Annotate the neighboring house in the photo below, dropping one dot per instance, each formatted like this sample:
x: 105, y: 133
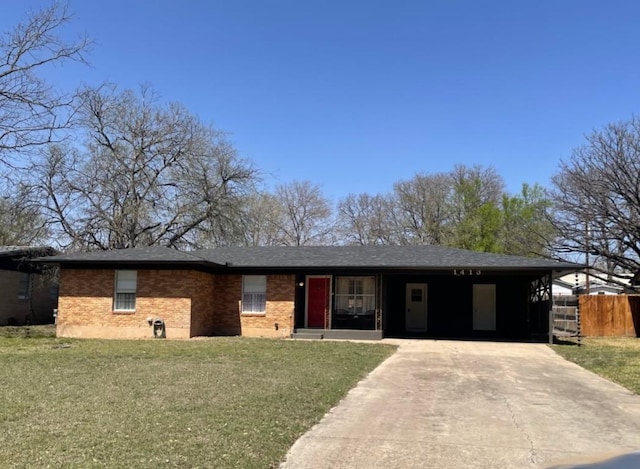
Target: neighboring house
x: 27, y: 295
x: 575, y: 284
x: 599, y: 288
x: 562, y: 287
x: 338, y: 291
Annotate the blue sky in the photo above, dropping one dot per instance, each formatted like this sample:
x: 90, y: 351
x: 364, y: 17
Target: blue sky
x: 356, y: 95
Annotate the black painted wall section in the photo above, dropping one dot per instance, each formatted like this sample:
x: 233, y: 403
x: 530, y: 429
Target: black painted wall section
x: 450, y: 306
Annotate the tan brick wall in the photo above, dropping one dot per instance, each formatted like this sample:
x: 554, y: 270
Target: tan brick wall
x: 226, y: 308
x: 191, y: 303
x: 85, y: 306
x: 279, y: 308
x: 166, y: 294
x: 202, y: 305
x: 37, y: 308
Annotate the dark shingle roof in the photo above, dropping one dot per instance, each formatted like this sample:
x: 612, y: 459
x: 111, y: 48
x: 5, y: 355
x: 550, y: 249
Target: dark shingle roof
x: 11, y: 251
x: 19, y: 258
x: 434, y: 257
x: 144, y: 255
x: 286, y: 257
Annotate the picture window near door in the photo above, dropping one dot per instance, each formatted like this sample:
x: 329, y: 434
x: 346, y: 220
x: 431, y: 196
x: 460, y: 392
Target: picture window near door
x: 254, y: 294
x: 126, y: 287
x: 355, y: 295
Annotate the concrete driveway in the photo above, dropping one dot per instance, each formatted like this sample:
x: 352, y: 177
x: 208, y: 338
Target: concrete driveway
x: 449, y: 404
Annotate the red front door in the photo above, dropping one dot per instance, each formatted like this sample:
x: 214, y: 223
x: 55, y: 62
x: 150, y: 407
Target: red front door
x: 317, y: 301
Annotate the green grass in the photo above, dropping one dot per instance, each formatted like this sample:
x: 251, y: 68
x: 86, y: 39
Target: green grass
x: 221, y: 402
x: 617, y: 359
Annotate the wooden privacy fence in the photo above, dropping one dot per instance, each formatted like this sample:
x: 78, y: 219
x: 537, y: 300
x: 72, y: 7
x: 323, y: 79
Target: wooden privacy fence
x: 610, y: 315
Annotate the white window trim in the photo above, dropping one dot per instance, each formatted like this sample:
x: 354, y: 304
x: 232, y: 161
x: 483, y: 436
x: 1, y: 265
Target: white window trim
x: 242, y: 303
x: 117, y: 289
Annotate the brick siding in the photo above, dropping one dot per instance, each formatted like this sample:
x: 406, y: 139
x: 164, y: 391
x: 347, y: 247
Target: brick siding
x: 202, y: 309
x: 281, y: 293
x: 191, y: 303
x: 85, y: 307
x: 226, y: 308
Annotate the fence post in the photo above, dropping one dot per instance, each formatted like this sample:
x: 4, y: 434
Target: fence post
x: 551, y: 322
x: 551, y: 311
x: 578, y: 327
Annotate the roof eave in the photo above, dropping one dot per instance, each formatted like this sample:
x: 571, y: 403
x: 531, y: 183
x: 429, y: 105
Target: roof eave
x: 403, y: 267
x: 127, y: 262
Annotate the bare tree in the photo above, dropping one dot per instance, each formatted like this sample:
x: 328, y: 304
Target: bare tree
x: 423, y: 208
x: 306, y: 215
x: 365, y: 219
x: 31, y: 112
x: 147, y: 174
x: 21, y: 222
x: 260, y: 218
x: 596, y: 197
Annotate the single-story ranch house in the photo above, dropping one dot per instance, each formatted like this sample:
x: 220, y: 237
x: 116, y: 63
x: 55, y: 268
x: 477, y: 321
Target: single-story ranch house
x: 320, y: 291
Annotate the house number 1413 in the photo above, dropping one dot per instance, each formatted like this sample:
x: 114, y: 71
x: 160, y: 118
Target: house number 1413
x: 467, y: 272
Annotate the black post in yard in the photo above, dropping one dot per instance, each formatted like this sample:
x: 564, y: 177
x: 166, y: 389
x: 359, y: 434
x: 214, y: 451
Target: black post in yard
x: 551, y: 321
x: 578, y: 325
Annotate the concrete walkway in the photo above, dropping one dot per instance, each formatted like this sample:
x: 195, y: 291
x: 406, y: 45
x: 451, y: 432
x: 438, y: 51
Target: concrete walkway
x: 448, y: 404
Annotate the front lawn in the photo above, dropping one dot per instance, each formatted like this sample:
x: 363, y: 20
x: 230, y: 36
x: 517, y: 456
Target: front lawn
x: 220, y: 402
x: 617, y: 359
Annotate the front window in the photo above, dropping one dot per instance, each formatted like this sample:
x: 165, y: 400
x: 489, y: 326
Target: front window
x: 254, y: 294
x: 125, y: 294
x: 355, y: 296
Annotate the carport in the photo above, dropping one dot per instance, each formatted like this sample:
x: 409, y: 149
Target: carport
x: 470, y: 303
x: 423, y: 291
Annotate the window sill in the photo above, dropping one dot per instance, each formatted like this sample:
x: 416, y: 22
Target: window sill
x: 253, y: 314
x: 123, y: 311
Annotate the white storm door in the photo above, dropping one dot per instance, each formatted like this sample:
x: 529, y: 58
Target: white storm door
x: 416, y: 314
x: 484, y: 307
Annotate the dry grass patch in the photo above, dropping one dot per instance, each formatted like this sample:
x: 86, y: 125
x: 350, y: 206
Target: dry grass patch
x: 27, y: 332
x: 617, y: 359
x: 224, y: 402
